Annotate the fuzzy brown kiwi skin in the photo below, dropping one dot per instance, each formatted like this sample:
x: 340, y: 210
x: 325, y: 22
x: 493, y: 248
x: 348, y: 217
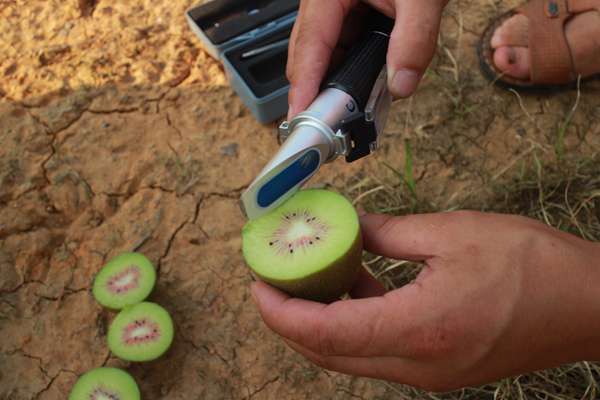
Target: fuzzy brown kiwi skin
x: 328, y: 284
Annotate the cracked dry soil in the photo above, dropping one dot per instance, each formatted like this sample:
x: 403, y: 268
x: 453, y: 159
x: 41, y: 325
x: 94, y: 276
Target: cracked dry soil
x: 119, y: 133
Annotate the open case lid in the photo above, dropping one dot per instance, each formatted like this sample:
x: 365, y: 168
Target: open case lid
x: 224, y: 20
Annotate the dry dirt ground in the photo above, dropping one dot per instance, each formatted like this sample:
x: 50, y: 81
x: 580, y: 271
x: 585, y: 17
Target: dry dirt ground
x: 118, y: 132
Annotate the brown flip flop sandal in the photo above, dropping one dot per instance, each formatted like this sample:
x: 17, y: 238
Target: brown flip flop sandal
x: 552, y: 66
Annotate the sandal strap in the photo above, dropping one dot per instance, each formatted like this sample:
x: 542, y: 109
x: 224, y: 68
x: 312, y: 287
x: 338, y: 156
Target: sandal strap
x: 550, y: 55
x: 581, y: 6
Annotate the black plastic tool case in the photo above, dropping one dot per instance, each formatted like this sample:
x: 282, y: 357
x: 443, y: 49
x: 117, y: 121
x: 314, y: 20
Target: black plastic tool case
x: 231, y: 28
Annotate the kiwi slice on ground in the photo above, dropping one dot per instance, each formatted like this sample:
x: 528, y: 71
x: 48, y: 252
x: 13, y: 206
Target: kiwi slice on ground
x: 125, y: 280
x: 309, y: 247
x: 104, y: 384
x: 141, y: 332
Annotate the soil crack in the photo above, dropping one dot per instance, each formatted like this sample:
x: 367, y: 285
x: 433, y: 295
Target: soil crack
x: 263, y: 387
x: 231, y: 194
x: 52, y: 379
x: 66, y: 293
x: 20, y: 286
x: 116, y: 110
x: 32, y: 357
x: 175, y: 128
x: 208, y: 350
x: 169, y: 244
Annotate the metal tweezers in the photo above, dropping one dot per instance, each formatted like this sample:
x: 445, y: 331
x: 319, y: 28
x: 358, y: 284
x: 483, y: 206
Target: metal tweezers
x: 265, y: 48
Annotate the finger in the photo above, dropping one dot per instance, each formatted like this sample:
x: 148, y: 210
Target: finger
x: 319, y: 27
x: 350, y: 31
x: 412, y: 43
x: 291, y: 48
x: 388, y: 368
x: 414, y: 237
x: 353, y: 26
x: 367, y: 286
x: 425, y: 376
x: 349, y: 327
x: 383, y: 6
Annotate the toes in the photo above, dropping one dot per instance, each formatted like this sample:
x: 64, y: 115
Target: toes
x: 513, y: 32
x: 582, y: 34
x: 513, y: 61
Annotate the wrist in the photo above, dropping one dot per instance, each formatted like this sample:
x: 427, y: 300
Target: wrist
x: 589, y: 300
x: 562, y: 301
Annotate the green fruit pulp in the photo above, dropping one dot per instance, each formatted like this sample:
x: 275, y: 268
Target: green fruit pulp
x: 141, y: 332
x: 102, y: 383
x: 125, y: 280
x: 310, y: 246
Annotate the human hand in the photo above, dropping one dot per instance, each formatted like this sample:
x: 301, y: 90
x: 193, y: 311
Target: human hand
x: 319, y: 29
x: 499, y: 295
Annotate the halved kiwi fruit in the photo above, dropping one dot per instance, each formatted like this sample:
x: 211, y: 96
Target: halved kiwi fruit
x: 125, y: 280
x: 310, y: 246
x: 105, y: 383
x: 141, y: 332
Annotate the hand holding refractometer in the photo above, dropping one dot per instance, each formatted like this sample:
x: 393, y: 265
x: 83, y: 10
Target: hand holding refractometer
x: 345, y: 119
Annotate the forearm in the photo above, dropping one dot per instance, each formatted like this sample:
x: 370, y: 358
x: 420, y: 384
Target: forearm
x: 589, y: 305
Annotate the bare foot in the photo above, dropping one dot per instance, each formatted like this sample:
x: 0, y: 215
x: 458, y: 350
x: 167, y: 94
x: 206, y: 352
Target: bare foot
x: 510, y: 41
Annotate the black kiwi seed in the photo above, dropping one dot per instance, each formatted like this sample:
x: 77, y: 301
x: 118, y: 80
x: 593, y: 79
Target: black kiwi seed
x: 291, y: 250
x: 318, y: 238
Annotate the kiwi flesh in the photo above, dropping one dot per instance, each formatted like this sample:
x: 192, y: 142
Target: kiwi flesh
x: 103, y: 384
x: 141, y: 332
x: 125, y: 280
x: 310, y: 246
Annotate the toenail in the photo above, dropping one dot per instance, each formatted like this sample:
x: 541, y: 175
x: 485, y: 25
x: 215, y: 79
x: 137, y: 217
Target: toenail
x: 512, y: 56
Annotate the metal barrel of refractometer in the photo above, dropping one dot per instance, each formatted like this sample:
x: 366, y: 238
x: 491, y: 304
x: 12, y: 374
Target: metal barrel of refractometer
x: 347, y: 89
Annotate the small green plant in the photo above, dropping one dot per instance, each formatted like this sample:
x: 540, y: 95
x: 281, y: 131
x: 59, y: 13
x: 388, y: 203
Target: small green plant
x: 407, y: 177
x: 559, y: 145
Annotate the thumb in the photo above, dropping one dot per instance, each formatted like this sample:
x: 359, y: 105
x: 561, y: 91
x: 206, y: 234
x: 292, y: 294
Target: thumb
x: 412, y: 43
x: 315, y: 35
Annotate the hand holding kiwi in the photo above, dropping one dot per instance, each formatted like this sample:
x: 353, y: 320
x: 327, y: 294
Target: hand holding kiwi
x: 499, y: 295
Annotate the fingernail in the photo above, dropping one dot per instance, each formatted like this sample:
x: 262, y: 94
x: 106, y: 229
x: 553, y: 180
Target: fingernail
x: 360, y: 211
x: 404, y: 82
x: 512, y: 56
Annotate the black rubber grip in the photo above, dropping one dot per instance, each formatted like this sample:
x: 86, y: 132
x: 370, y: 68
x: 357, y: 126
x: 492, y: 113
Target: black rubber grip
x: 359, y: 70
